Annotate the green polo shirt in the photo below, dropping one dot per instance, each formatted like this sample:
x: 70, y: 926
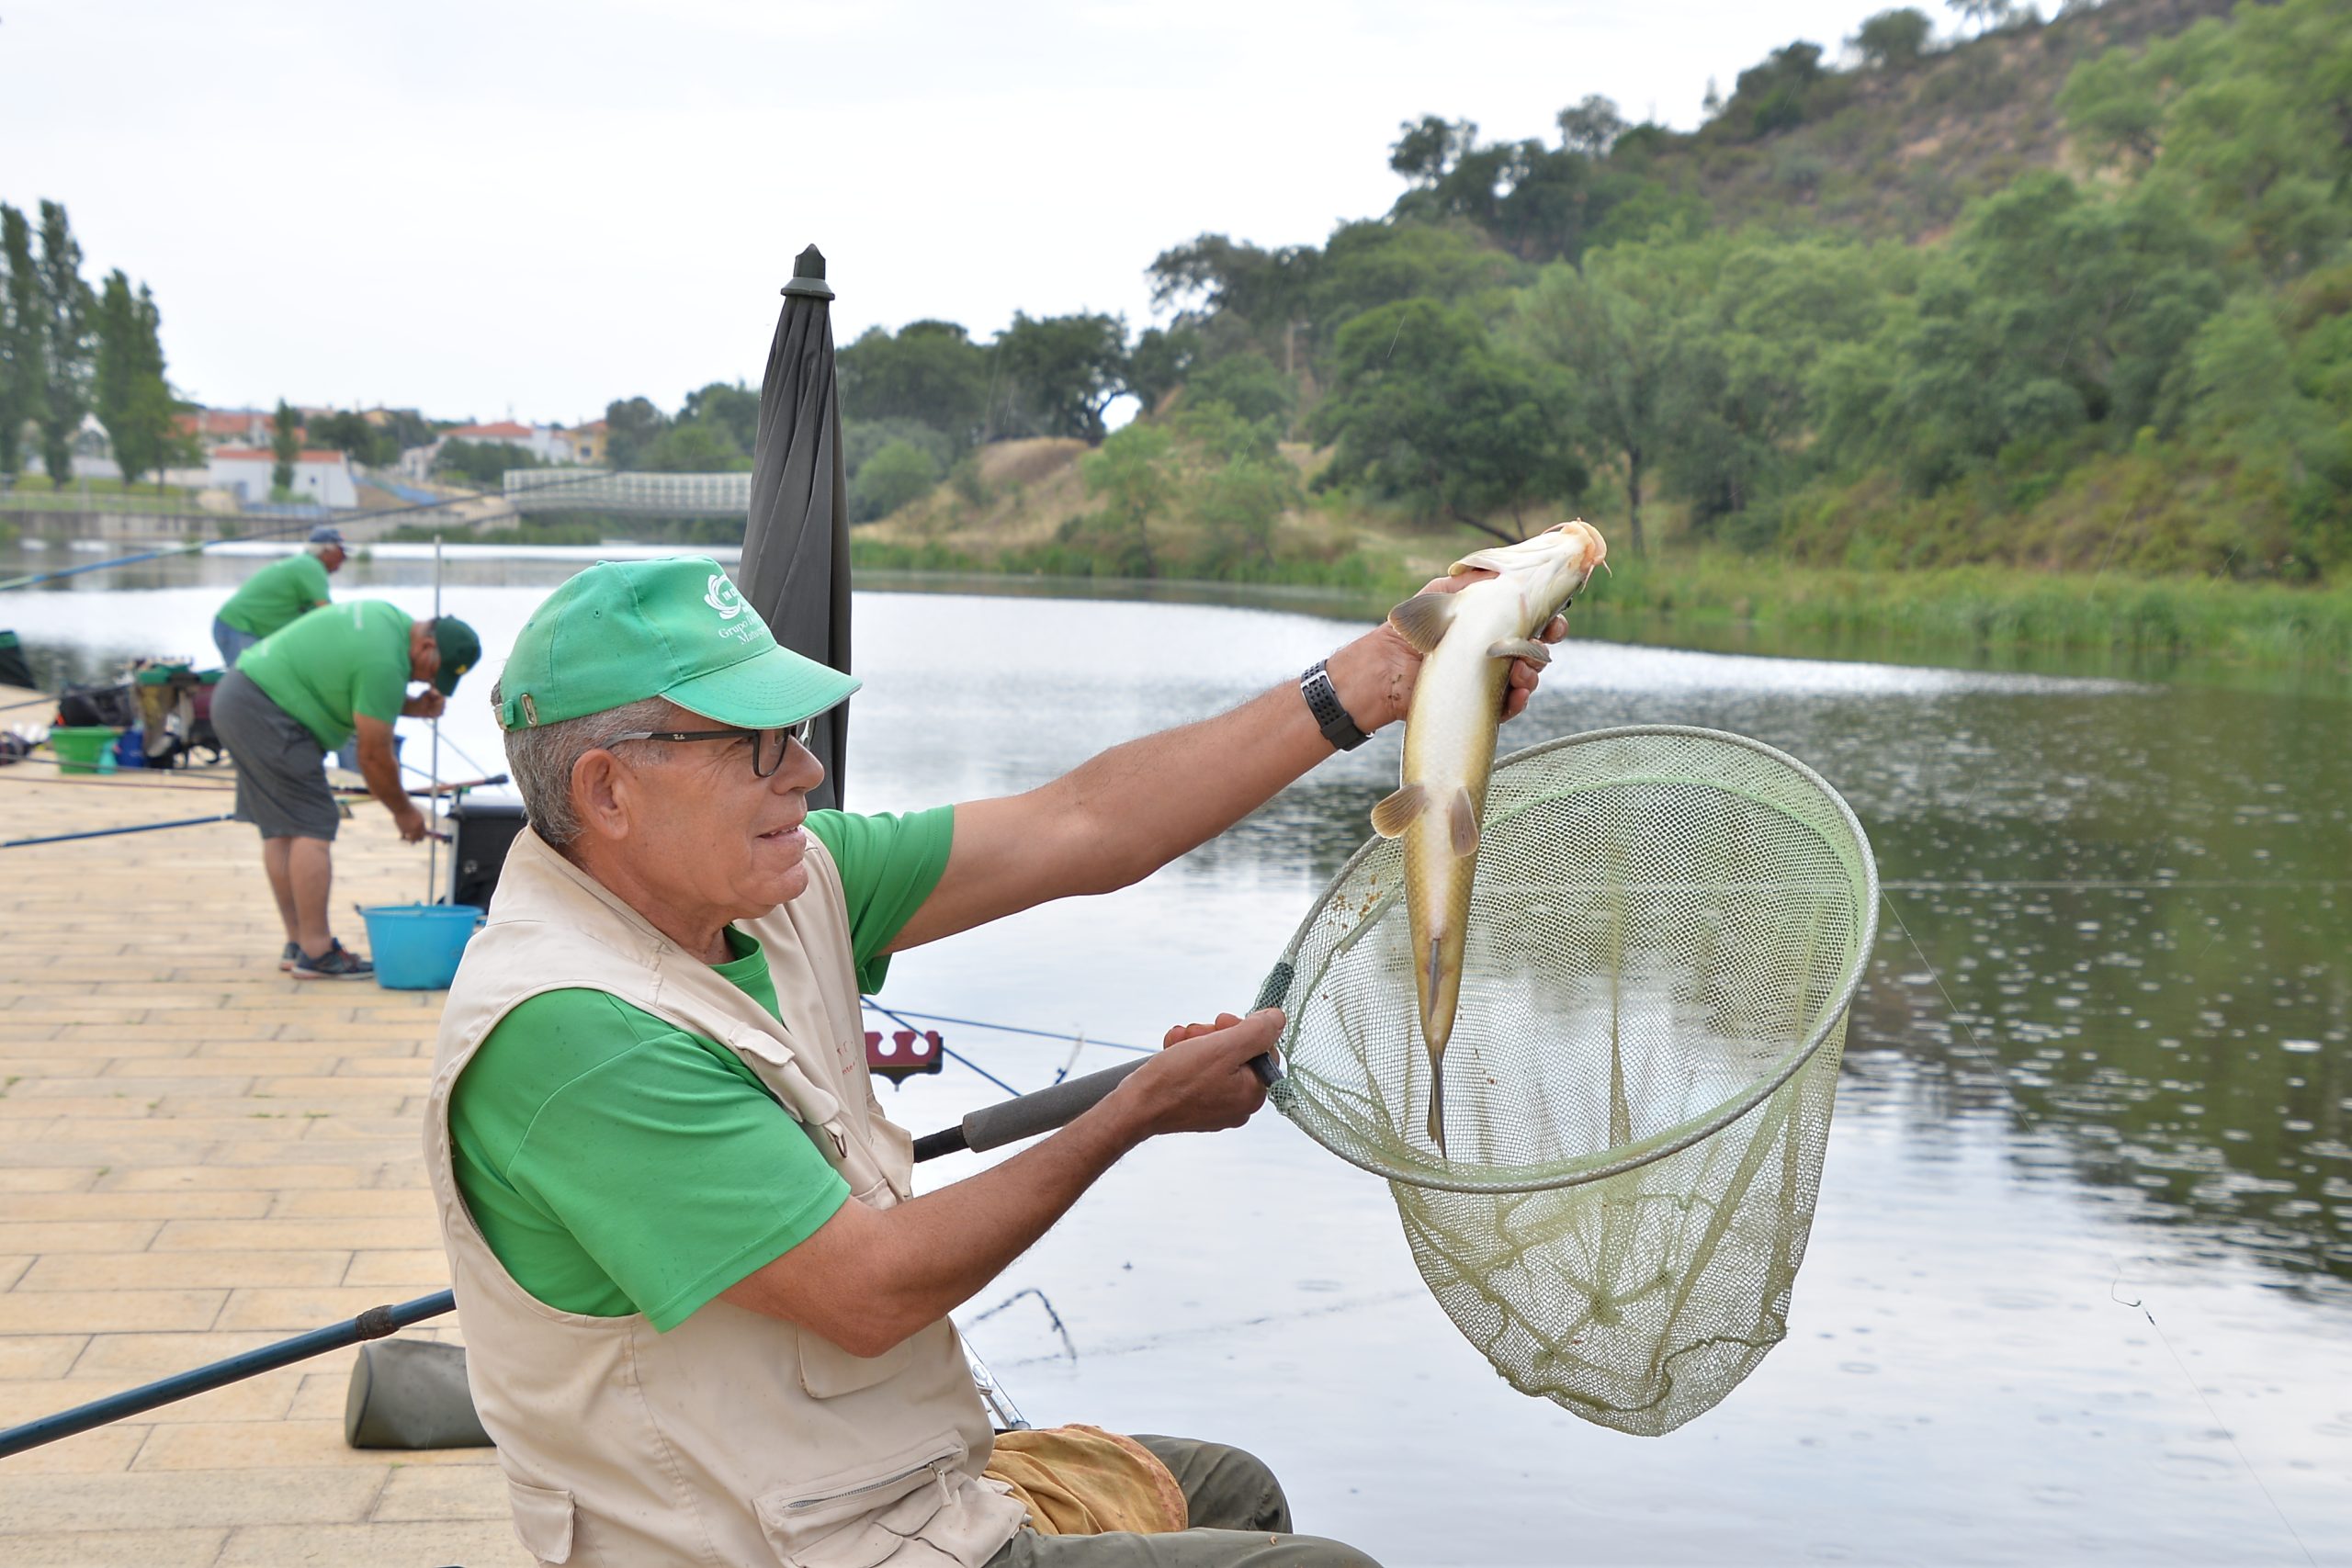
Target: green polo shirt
x: 277, y: 595
x: 618, y: 1164
x: 335, y: 664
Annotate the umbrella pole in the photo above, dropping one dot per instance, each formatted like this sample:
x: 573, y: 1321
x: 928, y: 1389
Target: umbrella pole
x: 433, y: 840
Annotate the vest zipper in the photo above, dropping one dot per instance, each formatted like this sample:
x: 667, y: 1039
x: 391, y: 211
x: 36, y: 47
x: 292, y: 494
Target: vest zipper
x: 933, y: 1464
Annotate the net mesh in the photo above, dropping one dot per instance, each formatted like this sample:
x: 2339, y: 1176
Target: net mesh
x: 1666, y: 930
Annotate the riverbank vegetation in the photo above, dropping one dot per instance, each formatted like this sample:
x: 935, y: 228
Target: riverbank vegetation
x: 2042, y: 336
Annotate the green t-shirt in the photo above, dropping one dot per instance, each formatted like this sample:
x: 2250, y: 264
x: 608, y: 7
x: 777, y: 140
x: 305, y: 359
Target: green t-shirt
x: 335, y: 664
x: 618, y: 1163
x: 279, y: 594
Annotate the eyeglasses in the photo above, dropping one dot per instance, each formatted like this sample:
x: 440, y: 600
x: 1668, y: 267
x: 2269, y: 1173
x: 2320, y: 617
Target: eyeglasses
x: 768, y: 746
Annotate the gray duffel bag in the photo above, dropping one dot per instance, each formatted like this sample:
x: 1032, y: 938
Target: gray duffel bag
x: 411, y: 1394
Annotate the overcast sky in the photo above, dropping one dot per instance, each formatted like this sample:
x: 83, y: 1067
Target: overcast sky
x: 484, y: 207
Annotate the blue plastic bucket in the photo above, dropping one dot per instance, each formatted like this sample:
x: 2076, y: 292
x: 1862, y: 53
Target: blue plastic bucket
x: 416, y: 946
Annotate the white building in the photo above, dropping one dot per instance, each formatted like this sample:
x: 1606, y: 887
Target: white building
x: 325, y: 477
x: 548, y: 443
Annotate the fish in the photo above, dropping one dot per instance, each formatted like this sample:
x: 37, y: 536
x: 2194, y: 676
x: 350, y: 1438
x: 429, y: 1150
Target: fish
x: 1467, y: 639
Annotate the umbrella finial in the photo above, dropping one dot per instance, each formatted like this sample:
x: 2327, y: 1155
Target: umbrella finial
x: 809, y: 274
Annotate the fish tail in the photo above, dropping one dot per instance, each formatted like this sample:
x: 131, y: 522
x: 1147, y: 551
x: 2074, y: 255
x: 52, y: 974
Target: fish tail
x: 1437, y: 1102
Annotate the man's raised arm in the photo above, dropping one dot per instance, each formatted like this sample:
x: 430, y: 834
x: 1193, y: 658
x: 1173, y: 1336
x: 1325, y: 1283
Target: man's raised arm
x: 1121, y: 816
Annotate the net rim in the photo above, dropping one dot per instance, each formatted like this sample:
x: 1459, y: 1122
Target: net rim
x: 1673, y: 1140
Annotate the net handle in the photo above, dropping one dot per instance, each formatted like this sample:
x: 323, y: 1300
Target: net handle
x: 993, y: 1126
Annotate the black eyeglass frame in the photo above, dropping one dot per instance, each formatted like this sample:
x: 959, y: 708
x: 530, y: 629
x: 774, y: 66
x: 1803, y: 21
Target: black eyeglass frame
x: 758, y: 737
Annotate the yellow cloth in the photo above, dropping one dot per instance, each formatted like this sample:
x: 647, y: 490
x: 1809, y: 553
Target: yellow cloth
x: 1085, y: 1481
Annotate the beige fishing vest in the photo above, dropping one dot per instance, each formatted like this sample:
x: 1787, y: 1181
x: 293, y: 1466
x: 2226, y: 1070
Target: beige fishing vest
x: 733, y: 1438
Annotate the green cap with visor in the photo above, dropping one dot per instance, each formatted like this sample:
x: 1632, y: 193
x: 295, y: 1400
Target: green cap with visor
x: 623, y: 631
x: 460, y: 651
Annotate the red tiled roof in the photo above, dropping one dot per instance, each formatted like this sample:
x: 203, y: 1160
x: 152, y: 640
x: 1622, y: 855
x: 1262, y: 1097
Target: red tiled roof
x: 504, y: 431
x: 262, y: 455
x: 221, y: 422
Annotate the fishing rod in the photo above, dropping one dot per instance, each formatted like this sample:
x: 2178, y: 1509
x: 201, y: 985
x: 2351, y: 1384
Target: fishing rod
x: 304, y: 524
x: 984, y: 1129
x: 111, y: 832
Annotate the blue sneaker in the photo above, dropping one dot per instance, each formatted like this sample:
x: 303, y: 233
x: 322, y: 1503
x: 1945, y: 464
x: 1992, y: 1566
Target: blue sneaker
x: 337, y: 963
x: 291, y: 956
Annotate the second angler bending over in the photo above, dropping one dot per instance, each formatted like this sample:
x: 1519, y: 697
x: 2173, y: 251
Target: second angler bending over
x: 707, y: 1314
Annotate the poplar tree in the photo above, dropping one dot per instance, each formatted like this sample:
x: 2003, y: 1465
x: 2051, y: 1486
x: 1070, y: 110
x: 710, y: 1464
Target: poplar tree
x: 134, y: 401
x: 285, y: 444
x: 23, y: 388
x: 63, y: 311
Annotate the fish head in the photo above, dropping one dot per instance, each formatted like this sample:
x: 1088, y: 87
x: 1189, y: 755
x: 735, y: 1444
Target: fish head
x: 1549, y: 568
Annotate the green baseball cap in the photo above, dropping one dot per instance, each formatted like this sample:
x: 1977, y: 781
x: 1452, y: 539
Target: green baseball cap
x: 676, y: 627
x: 460, y: 651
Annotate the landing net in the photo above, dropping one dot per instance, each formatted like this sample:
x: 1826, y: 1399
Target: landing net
x: 1666, y: 929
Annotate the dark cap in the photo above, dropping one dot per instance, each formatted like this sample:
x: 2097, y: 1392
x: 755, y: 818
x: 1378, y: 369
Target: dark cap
x: 460, y: 651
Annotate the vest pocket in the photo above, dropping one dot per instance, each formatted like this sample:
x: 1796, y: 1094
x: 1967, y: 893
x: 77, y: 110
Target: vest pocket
x: 855, y: 1519
x: 543, y: 1517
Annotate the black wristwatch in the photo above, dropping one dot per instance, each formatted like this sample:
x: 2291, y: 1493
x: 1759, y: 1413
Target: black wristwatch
x: 1323, y: 702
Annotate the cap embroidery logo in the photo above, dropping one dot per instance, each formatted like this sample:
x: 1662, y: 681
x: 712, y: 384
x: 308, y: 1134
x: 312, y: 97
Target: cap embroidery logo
x: 723, y: 597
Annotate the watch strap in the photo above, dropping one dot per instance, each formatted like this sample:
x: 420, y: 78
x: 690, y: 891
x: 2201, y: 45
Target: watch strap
x: 1330, y: 717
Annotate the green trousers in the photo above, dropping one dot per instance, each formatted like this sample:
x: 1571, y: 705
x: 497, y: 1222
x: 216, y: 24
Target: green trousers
x: 1240, y: 1519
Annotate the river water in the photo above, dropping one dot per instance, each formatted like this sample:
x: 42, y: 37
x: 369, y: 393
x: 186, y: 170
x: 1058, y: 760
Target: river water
x: 2080, y: 1286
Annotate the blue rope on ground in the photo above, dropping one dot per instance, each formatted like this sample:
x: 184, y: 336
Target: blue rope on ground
x: 111, y: 832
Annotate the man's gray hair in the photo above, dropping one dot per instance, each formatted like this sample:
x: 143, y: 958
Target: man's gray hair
x: 542, y: 757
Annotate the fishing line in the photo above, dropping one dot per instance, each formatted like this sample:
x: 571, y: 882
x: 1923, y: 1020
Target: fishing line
x: 944, y: 1051
x: 2020, y: 1109
x: 1051, y: 1315
x: 1016, y: 1029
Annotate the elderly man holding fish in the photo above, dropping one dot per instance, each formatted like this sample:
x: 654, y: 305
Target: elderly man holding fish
x: 706, y: 1311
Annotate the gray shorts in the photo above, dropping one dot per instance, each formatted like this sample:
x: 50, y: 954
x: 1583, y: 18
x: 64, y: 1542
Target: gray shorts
x: 281, y: 770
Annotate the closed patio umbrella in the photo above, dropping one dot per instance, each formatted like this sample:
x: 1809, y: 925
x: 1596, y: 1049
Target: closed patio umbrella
x: 796, y: 539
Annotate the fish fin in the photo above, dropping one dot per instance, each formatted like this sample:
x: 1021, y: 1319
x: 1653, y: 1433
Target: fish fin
x: 1394, y: 815
x: 1496, y: 558
x: 1462, y: 823
x: 1527, y: 647
x: 1422, y: 620
x: 1437, y: 1104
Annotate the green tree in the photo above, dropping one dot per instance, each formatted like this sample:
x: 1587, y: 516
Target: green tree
x: 698, y: 446
x: 734, y: 409
x: 1427, y: 410
x: 896, y: 476
x: 1160, y: 363
x: 1132, y: 479
x: 861, y: 438
x: 484, y: 464
x: 631, y: 425
x: 1893, y: 40
x: 285, y: 446
x: 1249, y: 384
x: 1615, y: 343
x: 24, y: 386
x: 1987, y: 13
x: 64, y: 307
x: 134, y: 401
x: 931, y: 371
x: 1062, y: 372
x: 348, y: 431
x: 1591, y: 126
x: 1366, y: 265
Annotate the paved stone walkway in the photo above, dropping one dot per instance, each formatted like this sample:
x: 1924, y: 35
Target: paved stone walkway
x: 198, y: 1155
